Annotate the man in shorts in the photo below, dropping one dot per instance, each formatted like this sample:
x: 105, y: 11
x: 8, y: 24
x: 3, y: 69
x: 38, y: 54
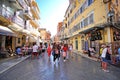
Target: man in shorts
x: 35, y: 50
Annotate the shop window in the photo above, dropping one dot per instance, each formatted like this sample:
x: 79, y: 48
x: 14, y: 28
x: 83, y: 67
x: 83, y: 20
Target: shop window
x: 18, y: 40
x: 76, y: 43
x: 96, y: 36
x: 116, y: 36
x: 8, y: 41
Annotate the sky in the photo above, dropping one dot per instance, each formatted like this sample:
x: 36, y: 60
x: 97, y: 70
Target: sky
x: 52, y: 12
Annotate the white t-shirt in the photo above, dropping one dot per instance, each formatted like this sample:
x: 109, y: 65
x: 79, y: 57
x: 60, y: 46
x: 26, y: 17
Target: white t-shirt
x: 104, y: 52
x: 70, y: 48
x: 35, y: 48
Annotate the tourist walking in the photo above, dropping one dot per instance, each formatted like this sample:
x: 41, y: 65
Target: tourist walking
x: 59, y: 51
x: 19, y: 51
x: 35, y: 50
x: 65, y: 52
x: 71, y: 50
x: 105, y: 56
x: 54, y: 52
x: 49, y: 50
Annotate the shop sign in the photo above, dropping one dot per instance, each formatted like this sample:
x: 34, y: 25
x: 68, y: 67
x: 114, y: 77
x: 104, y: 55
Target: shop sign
x: 116, y: 36
x: 96, y: 36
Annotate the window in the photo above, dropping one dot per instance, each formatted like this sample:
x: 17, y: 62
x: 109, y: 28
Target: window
x: 66, y: 25
x: 85, y: 21
x: 90, y: 2
x: 81, y: 24
x: 68, y: 15
x: 18, y: 40
x: 81, y: 10
x: 91, y: 19
x: 75, y: 15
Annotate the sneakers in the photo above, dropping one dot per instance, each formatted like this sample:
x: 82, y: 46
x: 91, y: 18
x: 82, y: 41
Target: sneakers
x: 64, y: 60
x: 105, y: 70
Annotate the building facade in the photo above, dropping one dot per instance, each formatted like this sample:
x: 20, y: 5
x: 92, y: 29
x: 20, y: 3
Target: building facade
x: 59, y: 29
x: 89, y: 23
x: 19, y: 23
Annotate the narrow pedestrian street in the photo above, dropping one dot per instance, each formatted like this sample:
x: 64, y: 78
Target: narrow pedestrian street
x: 76, y: 68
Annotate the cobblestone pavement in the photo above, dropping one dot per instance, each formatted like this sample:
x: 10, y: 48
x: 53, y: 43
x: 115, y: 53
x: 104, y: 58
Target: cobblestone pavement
x: 76, y: 68
x: 8, y: 63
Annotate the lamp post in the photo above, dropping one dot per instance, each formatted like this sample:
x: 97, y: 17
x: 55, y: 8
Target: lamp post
x: 110, y: 15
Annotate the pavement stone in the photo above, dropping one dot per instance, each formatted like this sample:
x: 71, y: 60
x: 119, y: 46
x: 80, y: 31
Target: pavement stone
x: 86, y: 56
x: 94, y: 58
x: 9, y: 63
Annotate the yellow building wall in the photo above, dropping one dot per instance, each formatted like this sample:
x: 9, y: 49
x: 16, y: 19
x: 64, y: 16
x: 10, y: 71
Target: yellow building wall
x: 100, y: 15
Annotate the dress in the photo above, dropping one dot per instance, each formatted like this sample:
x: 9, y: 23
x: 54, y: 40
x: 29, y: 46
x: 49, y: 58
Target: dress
x: 49, y: 51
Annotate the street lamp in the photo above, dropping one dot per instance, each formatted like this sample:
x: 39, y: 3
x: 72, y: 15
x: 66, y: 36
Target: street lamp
x: 110, y: 15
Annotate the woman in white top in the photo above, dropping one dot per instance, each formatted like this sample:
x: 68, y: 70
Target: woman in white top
x: 35, y: 50
x: 71, y: 50
x: 103, y: 57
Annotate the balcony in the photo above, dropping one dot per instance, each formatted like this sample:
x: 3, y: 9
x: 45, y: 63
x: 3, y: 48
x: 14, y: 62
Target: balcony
x: 34, y: 23
x: 27, y: 14
x: 34, y: 9
x: 23, y: 3
x: 19, y: 21
x: 15, y: 4
x: 35, y: 12
x: 5, y: 16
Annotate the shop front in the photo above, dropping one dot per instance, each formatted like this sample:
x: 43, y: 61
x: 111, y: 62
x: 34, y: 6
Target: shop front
x: 95, y: 40
x: 92, y: 38
x: 6, y: 40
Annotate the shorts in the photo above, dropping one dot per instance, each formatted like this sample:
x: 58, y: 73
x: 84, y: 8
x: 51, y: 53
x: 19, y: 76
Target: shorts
x: 104, y: 60
x: 35, y: 53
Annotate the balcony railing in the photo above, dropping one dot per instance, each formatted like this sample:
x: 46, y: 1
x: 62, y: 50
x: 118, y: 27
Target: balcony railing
x: 23, y: 3
x: 18, y: 20
x: 6, y: 13
x: 35, y: 12
x: 28, y: 12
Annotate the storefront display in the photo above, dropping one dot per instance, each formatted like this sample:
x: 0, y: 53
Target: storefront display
x: 116, y: 36
x: 96, y: 36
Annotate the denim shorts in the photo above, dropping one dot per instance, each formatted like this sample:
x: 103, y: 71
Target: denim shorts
x: 104, y: 60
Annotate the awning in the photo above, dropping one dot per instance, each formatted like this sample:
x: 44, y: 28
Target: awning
x: 6, y: 31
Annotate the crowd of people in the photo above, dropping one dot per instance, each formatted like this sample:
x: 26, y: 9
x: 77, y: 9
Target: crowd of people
x: 55, y: 49
x: 58, y: 50
x: 105, y: 55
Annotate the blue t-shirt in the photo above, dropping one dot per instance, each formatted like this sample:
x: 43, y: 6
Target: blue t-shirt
x: 118, y: 50
x: 18, y: 50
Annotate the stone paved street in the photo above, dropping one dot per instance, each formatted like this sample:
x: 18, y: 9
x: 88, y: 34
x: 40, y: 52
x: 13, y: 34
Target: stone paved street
x: 76, y: 68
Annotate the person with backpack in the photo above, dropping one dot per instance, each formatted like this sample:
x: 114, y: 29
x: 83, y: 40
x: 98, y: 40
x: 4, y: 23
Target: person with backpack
x: 105, y: 56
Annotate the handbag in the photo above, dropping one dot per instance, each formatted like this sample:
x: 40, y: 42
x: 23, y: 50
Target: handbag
x: 108, y: 56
